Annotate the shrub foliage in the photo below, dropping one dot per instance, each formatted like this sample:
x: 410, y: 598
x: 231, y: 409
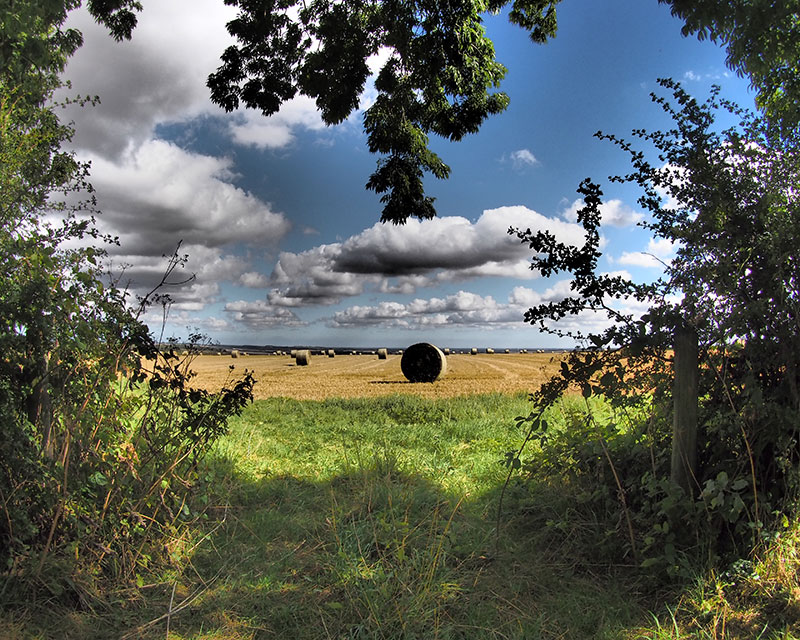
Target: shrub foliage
x: 727, y: 200
x: 101, y: 433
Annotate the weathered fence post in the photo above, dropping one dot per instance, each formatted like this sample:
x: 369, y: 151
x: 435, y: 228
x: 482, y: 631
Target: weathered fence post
x: 684, y: 419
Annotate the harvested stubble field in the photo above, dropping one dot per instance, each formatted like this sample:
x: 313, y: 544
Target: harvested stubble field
x: 359, y: 376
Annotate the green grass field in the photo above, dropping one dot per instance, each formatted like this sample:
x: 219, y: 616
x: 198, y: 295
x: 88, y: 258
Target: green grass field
x: 373, y: 519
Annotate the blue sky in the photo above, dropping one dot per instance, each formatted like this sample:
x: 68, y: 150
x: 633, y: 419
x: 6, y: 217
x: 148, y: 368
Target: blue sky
x: 284, y: 241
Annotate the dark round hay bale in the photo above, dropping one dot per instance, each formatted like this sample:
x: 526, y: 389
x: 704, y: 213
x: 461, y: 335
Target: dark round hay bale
x: 302, y: 357
x: 331, y: 353
x: 473, y: 351
x: 423, y: 362
x: 382, y: 353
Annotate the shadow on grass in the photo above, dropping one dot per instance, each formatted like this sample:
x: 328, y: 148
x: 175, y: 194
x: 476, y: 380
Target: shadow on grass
x: 380, y: 524
x: 377, y: 552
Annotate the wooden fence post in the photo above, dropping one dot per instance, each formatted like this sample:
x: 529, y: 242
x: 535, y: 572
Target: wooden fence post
x: 684, y: 418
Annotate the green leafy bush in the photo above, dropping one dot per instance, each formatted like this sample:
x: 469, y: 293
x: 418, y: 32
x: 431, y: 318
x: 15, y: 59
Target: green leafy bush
x: 727, y: 200
x: 101, y: 433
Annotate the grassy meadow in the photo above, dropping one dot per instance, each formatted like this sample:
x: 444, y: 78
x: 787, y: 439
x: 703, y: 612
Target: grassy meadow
x: 378, y: 519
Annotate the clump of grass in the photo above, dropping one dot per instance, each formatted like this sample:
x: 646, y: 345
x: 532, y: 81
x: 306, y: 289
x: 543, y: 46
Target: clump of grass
x: 393, y: 550
x: 756, y: 597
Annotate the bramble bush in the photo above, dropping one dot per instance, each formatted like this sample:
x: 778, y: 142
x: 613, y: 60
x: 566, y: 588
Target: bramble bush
x: 101, y: 434
x: 728, y: 201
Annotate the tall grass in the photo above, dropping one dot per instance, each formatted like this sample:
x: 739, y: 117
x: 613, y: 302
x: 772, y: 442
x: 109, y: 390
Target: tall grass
x: 375, y: 519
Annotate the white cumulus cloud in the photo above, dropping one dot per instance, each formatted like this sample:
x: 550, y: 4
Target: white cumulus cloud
x: 612, y: 212
x: 252, y: 129
x: 260, y: 314
x: 656, y: 256
x: 159, y: 194
x: 522, y: 158
x: 401, y: 259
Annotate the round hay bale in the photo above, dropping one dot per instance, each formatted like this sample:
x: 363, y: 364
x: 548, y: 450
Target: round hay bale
x: 446, y: 351
x: 331, y: 353
x: 489, y: 350
x: 423, y: 362
x: 293, y: 353
x: 507, y: 351
x: 473, y: 351
x: 382, y: 353
x: 234, y: 354
x: 302, y: 357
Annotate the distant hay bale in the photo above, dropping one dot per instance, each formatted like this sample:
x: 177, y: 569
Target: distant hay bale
x: 382, y: 353
x: 473, y: 351
x: 293, y: 353
x: 507, y: 351
x: 423, y: 362
x: 302, y: 357
x: 446, y: 351
x: 489, y: 350
x: 234, y: 354
x: 331, y: 353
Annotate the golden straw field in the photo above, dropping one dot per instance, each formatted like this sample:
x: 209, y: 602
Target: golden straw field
x: 358, y: 376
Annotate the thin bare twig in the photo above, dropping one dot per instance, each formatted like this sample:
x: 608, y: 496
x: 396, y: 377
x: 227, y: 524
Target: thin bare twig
x: 187, y: 602
x: 169, y: 609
